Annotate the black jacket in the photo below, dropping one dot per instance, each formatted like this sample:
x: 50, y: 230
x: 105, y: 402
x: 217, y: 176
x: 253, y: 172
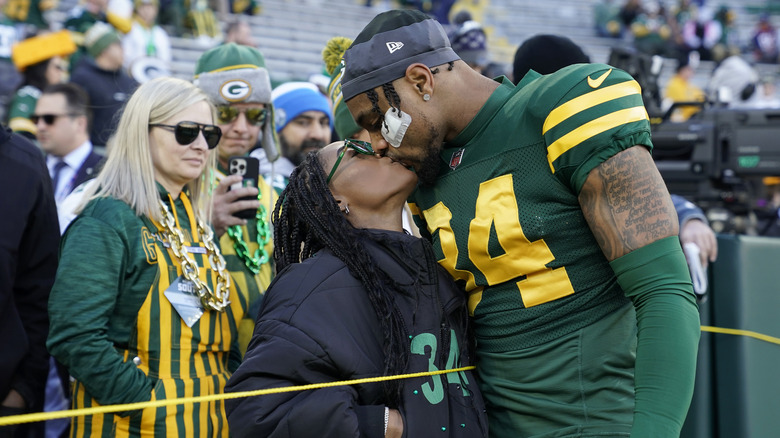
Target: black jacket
x: 108, y: 91
x: 317, y: 325
x: 29, y: 240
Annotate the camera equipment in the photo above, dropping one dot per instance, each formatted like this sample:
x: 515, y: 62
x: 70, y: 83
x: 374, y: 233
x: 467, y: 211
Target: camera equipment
x: 717, y: 158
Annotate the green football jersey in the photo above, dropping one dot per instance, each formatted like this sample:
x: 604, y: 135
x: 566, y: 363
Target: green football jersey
x: 504, y: 216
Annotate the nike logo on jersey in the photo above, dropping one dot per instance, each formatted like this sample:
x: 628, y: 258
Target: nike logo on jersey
x: 595, y: 83
x: 393, y: 46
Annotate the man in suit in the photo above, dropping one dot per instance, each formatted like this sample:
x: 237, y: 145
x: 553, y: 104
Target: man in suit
x: 62, y: 119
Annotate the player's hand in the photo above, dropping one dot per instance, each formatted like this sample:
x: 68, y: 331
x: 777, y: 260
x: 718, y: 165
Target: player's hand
x: 226, y: 203
x: 696, y: 231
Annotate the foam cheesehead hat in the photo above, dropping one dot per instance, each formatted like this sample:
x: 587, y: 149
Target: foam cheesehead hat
x: 99, y: 37
x: 292, y: 99
x: 233, y: 73
x: 333, y: 55
x: 40, y: 48
x: 391, y: 42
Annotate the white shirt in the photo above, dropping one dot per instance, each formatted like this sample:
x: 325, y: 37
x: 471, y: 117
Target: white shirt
x: 73, y: 162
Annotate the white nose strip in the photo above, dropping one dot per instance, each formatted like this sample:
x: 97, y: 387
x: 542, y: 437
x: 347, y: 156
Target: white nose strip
x: 395, y: 126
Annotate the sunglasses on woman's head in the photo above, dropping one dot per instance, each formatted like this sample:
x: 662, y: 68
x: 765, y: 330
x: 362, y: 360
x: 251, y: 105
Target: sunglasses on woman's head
x: 186, y: 132
x: 228, y: 114
x: 361, y: 147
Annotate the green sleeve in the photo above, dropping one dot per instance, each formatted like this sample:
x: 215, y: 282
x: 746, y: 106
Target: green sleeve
x: 93, y: 257
x: 656, y: 278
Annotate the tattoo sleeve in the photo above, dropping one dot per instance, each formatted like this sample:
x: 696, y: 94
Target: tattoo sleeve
x: 626, y: 203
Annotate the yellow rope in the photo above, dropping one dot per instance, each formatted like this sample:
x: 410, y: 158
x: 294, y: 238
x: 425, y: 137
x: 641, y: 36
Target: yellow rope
x: 44, y: 416
x: 748, y: 333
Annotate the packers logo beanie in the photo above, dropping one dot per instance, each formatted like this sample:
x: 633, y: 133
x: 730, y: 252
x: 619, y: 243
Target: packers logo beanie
x: 233, y: 73
x: 391, y: 42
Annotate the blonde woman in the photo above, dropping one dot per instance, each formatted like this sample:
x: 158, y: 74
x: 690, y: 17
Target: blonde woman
x: 142, y: 308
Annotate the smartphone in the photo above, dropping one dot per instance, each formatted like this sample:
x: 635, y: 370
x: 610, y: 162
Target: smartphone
x: 249, y: 169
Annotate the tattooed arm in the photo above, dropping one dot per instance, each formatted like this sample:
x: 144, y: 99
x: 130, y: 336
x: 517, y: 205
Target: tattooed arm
x: 632, y: 216
x: 626, y: 203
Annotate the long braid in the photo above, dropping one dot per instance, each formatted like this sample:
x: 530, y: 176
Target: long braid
x: 392, y: 96
x: 307, y: 219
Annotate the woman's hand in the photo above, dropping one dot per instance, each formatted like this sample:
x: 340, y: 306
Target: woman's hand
x: 395, y: 425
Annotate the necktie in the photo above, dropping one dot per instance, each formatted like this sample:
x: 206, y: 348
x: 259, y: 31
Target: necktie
x: 55, y: 178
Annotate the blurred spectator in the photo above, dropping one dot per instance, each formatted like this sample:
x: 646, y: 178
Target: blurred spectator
x: 770, y: 225
x: 30, y: 14
x: 683, y: 12
x: 701, y: 33
x: 546, y: 54
x: 736, y: 84
x: 9, y: 75
x: 171, y: 17
x: 28, y: 261
x: 629, y: 12
x: 104, y: 79
x: 652, y: 32
x: 768, y: 97
x: 248, y: 7
x: 303, y: 123
x: 469, y: 41
x: 764, y: 43
x: 62, y: 118
x: 681, y: 89
x: 606, y: 16
x: 147, y: 45
x: 83, y: 16
x: 240, y: 32
x: 42, y: 61
x: 728, y: 44
x: 202, y: 22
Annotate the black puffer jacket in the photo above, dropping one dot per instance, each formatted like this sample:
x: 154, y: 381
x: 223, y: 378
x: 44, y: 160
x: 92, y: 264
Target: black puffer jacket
x: 317, y: 325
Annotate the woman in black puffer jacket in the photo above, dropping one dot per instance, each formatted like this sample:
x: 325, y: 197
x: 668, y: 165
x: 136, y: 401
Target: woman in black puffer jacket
x: 355, y: 297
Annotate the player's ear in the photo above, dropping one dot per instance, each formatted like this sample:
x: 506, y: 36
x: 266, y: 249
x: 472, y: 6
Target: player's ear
x: 421, y: 78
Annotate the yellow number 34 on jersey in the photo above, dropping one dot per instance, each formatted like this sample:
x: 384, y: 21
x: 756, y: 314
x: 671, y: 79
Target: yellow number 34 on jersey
x: 523, y: 261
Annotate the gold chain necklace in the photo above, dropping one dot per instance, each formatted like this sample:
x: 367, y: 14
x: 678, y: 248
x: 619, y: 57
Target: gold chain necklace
x: 172, y: 235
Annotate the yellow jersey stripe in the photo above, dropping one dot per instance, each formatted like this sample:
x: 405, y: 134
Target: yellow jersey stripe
x: 589, y: 100
x: 592, y: 128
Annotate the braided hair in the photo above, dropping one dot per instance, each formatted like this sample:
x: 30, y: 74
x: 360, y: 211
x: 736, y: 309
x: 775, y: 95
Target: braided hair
x: 307, y: 219
x: 391, y: 95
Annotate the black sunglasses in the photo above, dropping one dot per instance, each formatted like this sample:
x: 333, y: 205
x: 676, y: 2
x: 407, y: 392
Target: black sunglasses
x: 227, y: 114
x: 187, y: 132
x: 49, y: 119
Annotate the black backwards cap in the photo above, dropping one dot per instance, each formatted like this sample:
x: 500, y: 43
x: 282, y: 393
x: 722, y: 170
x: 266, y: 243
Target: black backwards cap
x: 390, y: 43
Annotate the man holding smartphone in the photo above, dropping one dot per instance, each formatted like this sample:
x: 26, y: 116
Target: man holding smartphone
x: 237, y: 80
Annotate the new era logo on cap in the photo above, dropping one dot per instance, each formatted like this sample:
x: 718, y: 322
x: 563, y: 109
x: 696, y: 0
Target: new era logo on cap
x: 393, y: 46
